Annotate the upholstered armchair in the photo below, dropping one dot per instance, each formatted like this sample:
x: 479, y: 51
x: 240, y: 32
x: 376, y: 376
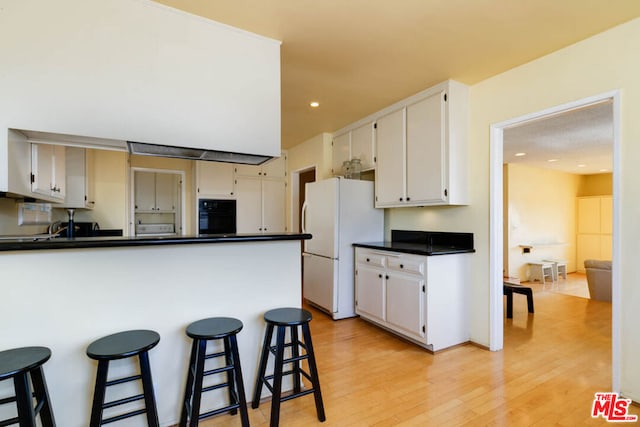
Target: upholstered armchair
x: 598, y: 279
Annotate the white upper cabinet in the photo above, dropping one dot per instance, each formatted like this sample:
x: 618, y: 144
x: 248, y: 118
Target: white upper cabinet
x: 215, y: 179
x: 422, y: 149
x: 274, y: 168
x: 390, y: 176
x: 156, y: 192
x: 79, y: 178
x: 354, y: 142
x: 48, y: 179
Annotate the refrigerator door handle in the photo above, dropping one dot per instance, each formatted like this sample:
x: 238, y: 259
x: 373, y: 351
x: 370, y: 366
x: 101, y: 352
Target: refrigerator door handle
x: 303, y: 216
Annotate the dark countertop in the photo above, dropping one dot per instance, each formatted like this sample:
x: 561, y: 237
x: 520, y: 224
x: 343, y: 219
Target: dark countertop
x: 414, y: 248
x: 425, y: 242
x: 28, y: 243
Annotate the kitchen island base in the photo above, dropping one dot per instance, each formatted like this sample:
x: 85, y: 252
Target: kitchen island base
x: 65, y: 299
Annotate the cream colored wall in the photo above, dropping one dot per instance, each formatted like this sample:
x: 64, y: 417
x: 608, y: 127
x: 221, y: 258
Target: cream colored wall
x: 188, y: 167
x: 603, y: 63
x: 541, y: 207
x: 596, y: 185
x: 111, y: 191
x: 315, y: 152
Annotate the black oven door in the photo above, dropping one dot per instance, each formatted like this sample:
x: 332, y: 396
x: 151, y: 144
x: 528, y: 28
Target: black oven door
x: 216, y: 216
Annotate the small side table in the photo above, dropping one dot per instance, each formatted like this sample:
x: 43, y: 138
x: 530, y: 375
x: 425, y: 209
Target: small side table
x: 509, y: 289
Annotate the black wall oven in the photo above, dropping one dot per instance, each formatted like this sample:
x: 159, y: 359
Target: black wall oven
x: 216, y: 216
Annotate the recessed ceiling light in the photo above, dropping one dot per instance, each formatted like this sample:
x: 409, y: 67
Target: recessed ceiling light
x: 582, y: 166
x: 552, y: 160
x: 314, y: 104
x: 604, y: 170
x: 520, y: 154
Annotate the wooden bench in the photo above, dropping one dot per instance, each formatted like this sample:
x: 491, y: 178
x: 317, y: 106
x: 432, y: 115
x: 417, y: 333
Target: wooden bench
x: 509, y: 289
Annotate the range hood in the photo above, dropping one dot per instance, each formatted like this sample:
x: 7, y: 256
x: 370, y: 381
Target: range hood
x: 145, y: 149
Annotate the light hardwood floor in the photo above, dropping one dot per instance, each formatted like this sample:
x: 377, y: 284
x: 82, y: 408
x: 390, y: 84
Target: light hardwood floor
x: 552, y: 364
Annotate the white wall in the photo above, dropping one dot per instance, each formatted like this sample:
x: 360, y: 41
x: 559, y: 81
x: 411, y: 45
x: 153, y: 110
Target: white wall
x: 137, y: 70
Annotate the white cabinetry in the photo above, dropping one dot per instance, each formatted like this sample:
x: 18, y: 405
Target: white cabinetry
x: 155, y: 192
x: 79, y: 178
x: 422, y: 145
x: 48, y: 171
x: 595, y: 227
x: 215, y: 179
x: 260, y: 205
x: 274, y: 168
x: 418, y: 297
x: 354, y: 142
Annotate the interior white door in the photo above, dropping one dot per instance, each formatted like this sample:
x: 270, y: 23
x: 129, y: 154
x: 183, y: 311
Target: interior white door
x: 321, y: 217
x: 320, y: 281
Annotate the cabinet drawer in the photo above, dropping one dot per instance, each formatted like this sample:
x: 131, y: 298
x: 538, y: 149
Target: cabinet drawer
x: 414, y: 266
x: 373, y: 259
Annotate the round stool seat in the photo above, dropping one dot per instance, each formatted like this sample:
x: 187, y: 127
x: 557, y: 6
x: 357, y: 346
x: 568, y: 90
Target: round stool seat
x: 123, y: 344
x: 20, y: 360
x: 214, y: 328
x: 287, y: 316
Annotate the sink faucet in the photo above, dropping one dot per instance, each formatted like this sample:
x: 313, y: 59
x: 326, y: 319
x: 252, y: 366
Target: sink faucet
x: 54, y: 227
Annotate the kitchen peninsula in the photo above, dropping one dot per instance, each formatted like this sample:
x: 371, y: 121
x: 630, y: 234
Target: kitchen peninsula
x: 65, y: 293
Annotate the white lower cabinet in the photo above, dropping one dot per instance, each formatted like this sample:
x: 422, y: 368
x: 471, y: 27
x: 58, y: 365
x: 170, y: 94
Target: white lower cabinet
x: 421, y: 298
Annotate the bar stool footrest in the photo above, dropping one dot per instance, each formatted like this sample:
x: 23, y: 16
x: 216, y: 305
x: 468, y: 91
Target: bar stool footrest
x: 123, y: 416
x: 219, y: 411
x: 122, y: 401
x: 10, y: 422
x: 123, y: 380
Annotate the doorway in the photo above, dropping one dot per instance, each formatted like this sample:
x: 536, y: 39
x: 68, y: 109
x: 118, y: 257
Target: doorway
x: 299, y: 179
x: 496, y: 221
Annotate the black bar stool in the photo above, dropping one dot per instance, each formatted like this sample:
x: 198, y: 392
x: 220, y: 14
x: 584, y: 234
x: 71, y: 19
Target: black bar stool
x: 20, y: 364
x: 287, y: 318
x: 216, y: 328
x: 119, y: 346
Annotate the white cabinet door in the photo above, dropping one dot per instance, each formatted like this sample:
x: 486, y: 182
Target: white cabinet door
x: 362, y: 145
x: 166, y: 192
x: 215, y: 179
x: 42, y: 169
x: 145, y: 191
x: 405, y: 303
x: 589, y: 215
x: 48, y: 170
x: 273, y: 204
x: 370, y: 292
x: 426, y: 161
x: 606, y: 215
x: 249, y: 205
x: 59, y: 174
x: 275, y: 168
x: 248, y: 170
x: 390, y: 168
x: 341, y: 152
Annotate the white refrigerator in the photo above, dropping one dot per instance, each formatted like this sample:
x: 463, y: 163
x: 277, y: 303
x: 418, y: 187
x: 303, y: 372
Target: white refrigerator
x: 337, y: 212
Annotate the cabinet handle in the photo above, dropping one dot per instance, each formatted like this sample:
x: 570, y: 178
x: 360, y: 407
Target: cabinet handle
x: 386, y: 277
x: 401, y: 265
x: 408, y: 198
x: 367, y: 259
x: 400, y: 199
x: 380, y: 276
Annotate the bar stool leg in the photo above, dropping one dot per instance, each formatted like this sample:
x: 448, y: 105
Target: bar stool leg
x: 228, y: 359
x: 313, y: 371
x: 268, y: 334
x: 98, y: 393
x: 199, y: 378
x: 244, y: 415
x: 295, y: 352
x: 277, y: 377
x: 42, y: 395
x: 188, y: 389
x: 23, y: 400
x: 147, y: 387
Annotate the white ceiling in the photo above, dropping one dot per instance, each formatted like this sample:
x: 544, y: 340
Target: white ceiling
x: 358, y: 56
x: 579, y: 141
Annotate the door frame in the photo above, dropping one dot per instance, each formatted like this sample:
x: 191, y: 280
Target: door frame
x: 496, y: 330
